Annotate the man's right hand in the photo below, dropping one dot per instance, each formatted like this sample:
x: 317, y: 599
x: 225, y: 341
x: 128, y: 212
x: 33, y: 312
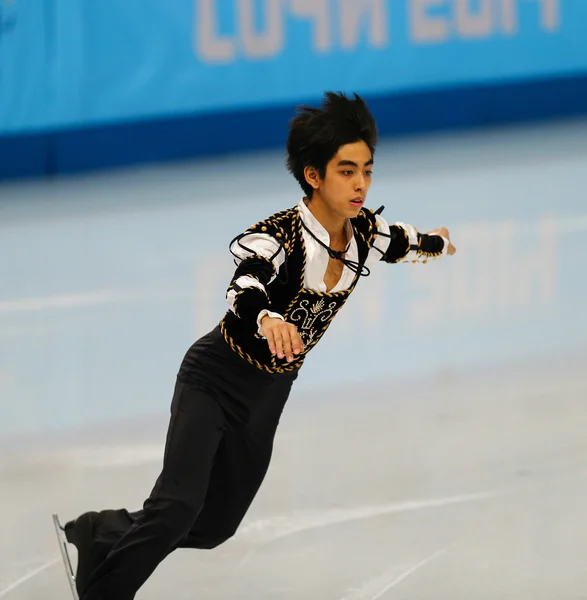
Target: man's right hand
x: 283, y: 338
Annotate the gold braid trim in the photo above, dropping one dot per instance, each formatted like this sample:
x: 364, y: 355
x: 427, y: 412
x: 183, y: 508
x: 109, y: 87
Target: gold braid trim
x: 368, y: 216
x: 276, y: 226
x: 407, y: 237
x: 297, y: 230
x: 329, y: 294
x: 236, y: 348
x: 372, y: 229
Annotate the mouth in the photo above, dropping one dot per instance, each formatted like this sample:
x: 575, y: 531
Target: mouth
x: 357, y: 202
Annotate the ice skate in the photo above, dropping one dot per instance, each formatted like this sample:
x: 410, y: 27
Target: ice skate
x: 61, y: 538
x: 80, y: 533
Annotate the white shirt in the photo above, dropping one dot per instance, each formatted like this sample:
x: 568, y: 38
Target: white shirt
x: 317, y: 257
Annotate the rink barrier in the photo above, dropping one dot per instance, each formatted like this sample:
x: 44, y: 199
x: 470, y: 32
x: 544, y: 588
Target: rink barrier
x: 87, y: 86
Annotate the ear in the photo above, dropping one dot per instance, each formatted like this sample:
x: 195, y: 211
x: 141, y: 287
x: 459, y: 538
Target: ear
x: 312, y: 177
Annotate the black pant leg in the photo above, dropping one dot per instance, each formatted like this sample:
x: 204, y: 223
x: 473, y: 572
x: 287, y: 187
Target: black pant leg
x: 196, y: 429
x: 236, y: 478
x: 240, y: 468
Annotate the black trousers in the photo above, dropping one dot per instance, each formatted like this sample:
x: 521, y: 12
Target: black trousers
x: 224, y: 415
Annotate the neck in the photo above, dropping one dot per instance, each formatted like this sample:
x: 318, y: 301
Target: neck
x: 334, y: 224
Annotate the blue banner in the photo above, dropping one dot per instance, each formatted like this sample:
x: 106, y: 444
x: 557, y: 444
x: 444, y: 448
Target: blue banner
x: 71, y: 63
x: 25, y: 83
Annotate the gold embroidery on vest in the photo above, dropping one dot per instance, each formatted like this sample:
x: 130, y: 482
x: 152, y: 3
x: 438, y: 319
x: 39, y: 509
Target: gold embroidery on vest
x: 309, y: 315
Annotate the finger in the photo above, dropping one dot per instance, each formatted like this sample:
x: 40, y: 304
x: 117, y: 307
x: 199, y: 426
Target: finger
x: 287, y: 345
x: 270, y: 341
x: 278, y: 342
x: 296, y: 341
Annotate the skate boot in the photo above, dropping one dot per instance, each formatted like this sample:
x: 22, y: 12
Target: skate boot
x: 81, y: 533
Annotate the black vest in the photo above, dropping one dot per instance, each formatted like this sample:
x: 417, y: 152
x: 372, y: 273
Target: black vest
x: 311, y: 312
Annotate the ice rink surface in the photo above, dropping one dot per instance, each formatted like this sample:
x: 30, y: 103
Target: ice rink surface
x: 434, y: 446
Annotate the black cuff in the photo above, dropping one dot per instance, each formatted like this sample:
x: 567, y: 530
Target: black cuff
x: 430, y: 245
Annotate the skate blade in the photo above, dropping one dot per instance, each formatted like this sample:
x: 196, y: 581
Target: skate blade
x: 60, y: 532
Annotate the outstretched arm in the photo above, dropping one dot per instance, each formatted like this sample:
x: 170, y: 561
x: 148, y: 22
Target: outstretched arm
x: 401, y: 242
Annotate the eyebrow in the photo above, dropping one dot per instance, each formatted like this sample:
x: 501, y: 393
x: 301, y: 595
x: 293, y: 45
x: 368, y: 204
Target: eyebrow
x: 351, y: 163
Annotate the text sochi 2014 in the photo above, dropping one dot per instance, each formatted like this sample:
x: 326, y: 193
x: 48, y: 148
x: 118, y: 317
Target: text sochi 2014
x: 259, y: 27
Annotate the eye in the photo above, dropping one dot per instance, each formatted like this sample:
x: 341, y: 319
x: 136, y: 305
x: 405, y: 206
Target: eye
x: 348, y: 173
x: 368, y: 173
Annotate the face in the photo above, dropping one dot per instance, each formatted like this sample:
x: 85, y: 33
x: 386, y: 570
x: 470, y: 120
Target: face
x: 343, y: 190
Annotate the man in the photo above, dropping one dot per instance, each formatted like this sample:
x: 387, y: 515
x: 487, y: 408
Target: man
x: 295, y: 270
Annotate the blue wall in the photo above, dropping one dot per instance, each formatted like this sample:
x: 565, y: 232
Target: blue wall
x: 109, y: 84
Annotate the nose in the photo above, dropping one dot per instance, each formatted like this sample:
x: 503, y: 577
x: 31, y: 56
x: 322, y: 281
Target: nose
x: 360, y: 183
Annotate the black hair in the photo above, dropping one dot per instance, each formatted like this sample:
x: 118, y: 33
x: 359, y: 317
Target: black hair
x: 316, y: 134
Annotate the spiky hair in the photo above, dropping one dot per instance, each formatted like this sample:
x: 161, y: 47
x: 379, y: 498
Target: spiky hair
x: 316, y: 134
